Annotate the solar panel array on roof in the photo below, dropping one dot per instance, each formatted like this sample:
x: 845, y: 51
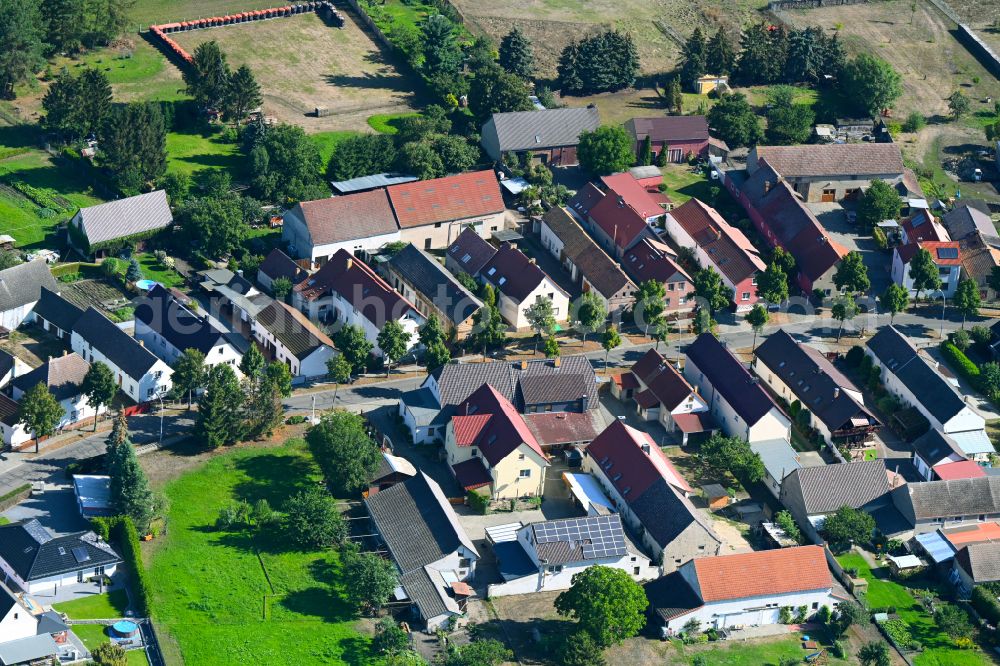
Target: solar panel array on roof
x: 947, y: 253
x: 600, y: 536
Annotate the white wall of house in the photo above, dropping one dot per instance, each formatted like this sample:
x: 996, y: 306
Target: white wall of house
x: 14, y: 434
x: 49, y: 326
x: 52, y: 583
x: 75, y: 409
x: 949, y: 275
x: 780, y: 388
x: 513, y: 312
x: 693, y: 404
x: 773, y: 425
x: 313, y: 365
x: 11, y: 319
x: 752, y: 611
x: 344, y: 311
x: 222, y: 353
x: 155, y: 382
x: 295, y: 232
x: 17, y: 623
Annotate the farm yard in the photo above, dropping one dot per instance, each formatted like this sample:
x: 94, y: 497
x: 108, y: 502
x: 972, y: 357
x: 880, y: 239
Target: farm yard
x: 302, y: 63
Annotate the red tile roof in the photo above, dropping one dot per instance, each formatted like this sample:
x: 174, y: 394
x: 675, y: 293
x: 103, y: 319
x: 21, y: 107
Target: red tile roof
x: 651, y: 260
x: 662, y: 380
x: 732, y: 253
x: 501, y: 433
x: 622, y: 446
x: 646, y: 203
x: 963, y: 469
x: 765, y: 573
x: 622, y: 223
x: 455, y: 197
x: 923, y: 226
x: 468, y: 428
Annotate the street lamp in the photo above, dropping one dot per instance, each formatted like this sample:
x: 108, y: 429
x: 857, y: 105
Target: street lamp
x: 159, y: 396
x: 944, y: 302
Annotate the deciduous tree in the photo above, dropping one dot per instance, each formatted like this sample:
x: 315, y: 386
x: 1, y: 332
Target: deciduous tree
x: 339, y: 369
x: 649, y: 305
x: 848, y: 526
x: 495, y: 90
x: 189, y: 374
x: 924, y: 273
x: 880, y: 202
x: 591, y: 313
x: 894, y: 300
x: 967, y: 299
x: 844, y: 309
x: 541, y: 318
x: 216, y: 225
x: 610, y: 340
x: 313, y: 519
x: 344, y: 451
x: 733, y: 455
x: 40, y: 412
x: 606, y: 150
x: 354, y: 346
x: 873, y: 83
x: 788, y: 123
x: 606, y: 602
x: 757, y: 318
x: 709, y: 287
x: 370, y: 579
x: 875, y: 653
x: 99, y: 387
x: 285, y: 165
x: 734, y: 121
x: 393, y: 340
x: 772, y: 284
x: 361, y: 155
x: 852, y: 274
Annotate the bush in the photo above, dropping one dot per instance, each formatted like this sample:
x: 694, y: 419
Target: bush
x: 958, y: 360
x: 478, y: 502
x: 960, y: 339
x: 127, y: 540
x: 898, y: 632
x: 854, y: 356
x: 986, y: 604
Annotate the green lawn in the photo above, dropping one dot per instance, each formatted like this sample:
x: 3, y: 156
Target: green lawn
x: 93, y: 635
x: 327, y: 141
x: 883, y: 591
x: 146, y: 12
x: 684, y: 183
x: 154, y: 270
x: 190, y: 152
x: 755, y: 654
x: 210, y: 593
x: 141, y: 72
x: 386, y: 123
x: 96, y: 607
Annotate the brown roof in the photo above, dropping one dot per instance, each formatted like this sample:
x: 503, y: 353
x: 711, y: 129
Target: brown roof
x: 651, y: 260
x: 552, y: 428
x: 662, y: 380
x: 923, y: 226
x: 293, y: 329
x: 278, y: 264
x: 622, y: 223
x: 337, y: 219
x: 456, y: 197
x: 827, y: 160
x: 728, y: 249
x: 10, y: 411
x: 763, y: 573
x: 513, y: 273
x: 596, y: 266
x: 978, y: 258
x: 669, y: 128
x: 63, y: 375
x: 471, y: 252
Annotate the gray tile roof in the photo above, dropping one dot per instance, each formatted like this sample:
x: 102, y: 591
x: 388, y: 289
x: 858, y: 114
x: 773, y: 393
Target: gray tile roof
x: 62, y: 374
x: 293, y: 329
x: 958, y: 497
x: 665, y: 513
x: 22, y: 284
x: 981, y: 561
x: 34, y: 553
x: 424, y: 593
x: 115, y: 344
x: 527, y: 130
x: 417, y: 523
x: 848, y: 159
x: 825, y: 489
x: 126, y: 217
x: 55, y: 309
x: 471, y: 252
x: 964, y: 220
x: 428, y: 277
x: 934, y: 446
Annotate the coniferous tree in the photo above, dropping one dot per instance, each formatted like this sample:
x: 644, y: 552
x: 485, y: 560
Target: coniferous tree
x: 130, y: 493
x: 76, y: 106
x: 134, y: 145
x: 207, y: 78
x: 66, y: 25
x: 602, y: 63
x: 219, y: 408
x: 720, y: 57
x: 442, y: 55
x: 675, y: 97
x: 693, y: 57
x: 242, y: 95
x: 516, y: 54
x: 755, y: 54
x: 805, y: 56
x: 22, y: 31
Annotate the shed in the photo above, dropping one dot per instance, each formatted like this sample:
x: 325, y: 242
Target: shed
x: 588, y: 494
x: 904, y: 564
x: 716, y: 496
x: 93, y: 495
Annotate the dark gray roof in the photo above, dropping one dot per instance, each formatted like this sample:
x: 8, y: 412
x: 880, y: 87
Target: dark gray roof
x: 7, y: 601
x: 33, y: 553
x: 423, y: 592
x: 914, y: 371
x: 363, y: 183
x: 181, y: 327
x: 421, y: 404
x: 527, y: 130
x: 471, y: 252
x: 126, y: 217
x: 6, y: 363
x: 427, y: 276
x: 578, y: 539
x: 50, y: 622
x: 22, y: 284
x: 28, y: 649
x: 981, y: 561
x: 278, y: 264
x: 457, y: 381
x: 958, y: 497
x: 825, y: 489
x: 417, y: 523
x: 964, y: 220
x: 293, y: 329
x: 117, y: 346
x: 665, y: 513
x: 57, y: 310
x: 934, y: 446
x: 730, y: 378
x: 671, y: 596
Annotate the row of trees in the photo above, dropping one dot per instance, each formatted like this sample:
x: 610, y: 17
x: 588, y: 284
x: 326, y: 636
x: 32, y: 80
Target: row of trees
x: 602, y: 63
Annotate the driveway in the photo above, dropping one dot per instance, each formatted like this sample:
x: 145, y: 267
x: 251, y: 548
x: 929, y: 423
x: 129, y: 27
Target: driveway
x: 55, y: 509
x: 834, y: 219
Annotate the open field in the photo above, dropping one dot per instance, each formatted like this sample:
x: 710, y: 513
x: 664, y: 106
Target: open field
x: 148, y: 12
x: 982, y: 16
x: 658, y: 26
x: 302, y: 63
x: 212, y: 600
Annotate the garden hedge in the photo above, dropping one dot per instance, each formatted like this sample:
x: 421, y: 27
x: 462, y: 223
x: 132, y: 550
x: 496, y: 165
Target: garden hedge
x: 986, y: 604
x: 957, y: 358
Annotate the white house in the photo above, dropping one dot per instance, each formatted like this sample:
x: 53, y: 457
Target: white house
x: 168, y: 328
x: 519, y: 283
x: 914, y: 379
x: 14, y: 433
x: 946, y: 258
x: 355, y: 223
x: 63, y: 375
x: 16, y: 621
x: 932, y: 449
x: 138, y: 372
x: 20, y: 288
x: 544, y: 557
x: 746, y: 589
x: 289, y: 337
x: 736, y: 400
x: 346, y: 290
x: 36, y: 561
x: 662, y: 394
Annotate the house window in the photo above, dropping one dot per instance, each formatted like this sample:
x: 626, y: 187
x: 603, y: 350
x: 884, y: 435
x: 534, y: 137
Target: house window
x: 525, y: 474
x: 464, y: 563
x: 746, y: 296
x: 520, y: 456
x: 815, y: 605
x: 474, y: 453
x: 427, y: 243
x: 635, y: 571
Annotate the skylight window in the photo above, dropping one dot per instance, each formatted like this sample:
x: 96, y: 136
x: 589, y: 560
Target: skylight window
x: 466, y: 258
x: 491, y: 271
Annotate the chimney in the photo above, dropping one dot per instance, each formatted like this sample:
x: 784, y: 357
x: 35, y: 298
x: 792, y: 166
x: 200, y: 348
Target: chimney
x: 524, y: 365
x: 531, y: 262
x: 142, y: 343
x: 350, y: 262
x: 556, y: 362
x: 65, y: 352
x: 836, y: 392
x: 645, y: 449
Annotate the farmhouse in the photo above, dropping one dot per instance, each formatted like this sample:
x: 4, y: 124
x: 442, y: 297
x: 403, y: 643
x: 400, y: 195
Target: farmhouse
x: 586, y: 262
x: 138, y: 372
x: 931, y: 505
x: 289, y: 337
x: 433, y: 553
x: 356, y: 223
x: 946, y: 257
x: 55, y: 314
x: 736, y: 400
x: 745, y: 589
x: 276, y: 265
x: 36, y: 561
x: 63, y: 375
x: 423, y: 281
x: 910, y: 376
x: 549, y: 136
x: 346, y: 290
x: 432, y: 213
x: 799, y: 373
x: 651, y: 259
x: 678, y: 136
x: 720, y: 246
x: 545, y: 556
x: 168, y: 328
x: 468, y: 254
x: 519, y: 283
x: 662, y: 394
x: 20, y: 289
x: 650, y: 494
x: 489, y: 446
x: 103, y: 228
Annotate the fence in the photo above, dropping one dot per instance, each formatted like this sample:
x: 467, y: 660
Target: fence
x: 810, y: 4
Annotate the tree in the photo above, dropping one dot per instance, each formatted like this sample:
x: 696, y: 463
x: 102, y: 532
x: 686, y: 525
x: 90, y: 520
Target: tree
x: 541, y: 318
x: 958, y: 104
x: 675, y: 100
x: 606, y: 602
x: 914, y: 122
x: 432, y: 337
x: 875, y: 653
x: 649, y: 305
x: 421, y: 160
x: 9, y: 259
x: 757, y: 318
x: 339, y: 369
x: 40, y: 412
x: 455, y: 152
x: 894, y: 300
x: 772, y: 284
x: 134, y: 145
x: 719, y: 54
x: 610, y: 340
x: 66, y: 24
x: 370, y: 579
x: 118, y: 436
x: 693, y: 57
x: 591, y: 313
x: 852, y: 274
x: 495, y: 90
x: 281, y: 287
x: 848, y: 613
x: 109, y: 654
x: 129, y: 491
x: 606, y: 150
x: 953, y: 621
x: 361, y: 155
x: 189, y: 374
x: 488, y: 328
x: 389, y: 637
x: 844, y: 309
x: 393, y: 341
x: 442, y: 55
x: 551, y: 347
x: 924, y: 273
x: 848, y: 526
x: 989, y: 380
x: 805, y: 61
x: 431, y: 331
x: 219, y: 412
x: 76, y: 106
x: 285, y: 165
x: 880, y: 202
x: 873, y: 83
x: 734, y: 455
x: 580, y: 649
x: 344, y: 451
x: 99, y: 387
x: 264, y: 384
x: 207, y: 77
x: 482, y: 652
x: 134, y: 271
x: 646, y: 152
x: 605, y: 62
x: 763, y: 54
x: 733, y: 120
x: 967, y: 299
x: 313, y: 519
x: 21, y: 43
x: 788, y: 123
x: 242, y: 95
x: 709, y: 287
x: 786, y: 522
x: 354, y: 346
x: 217, y: 225
x: 516, y: 54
